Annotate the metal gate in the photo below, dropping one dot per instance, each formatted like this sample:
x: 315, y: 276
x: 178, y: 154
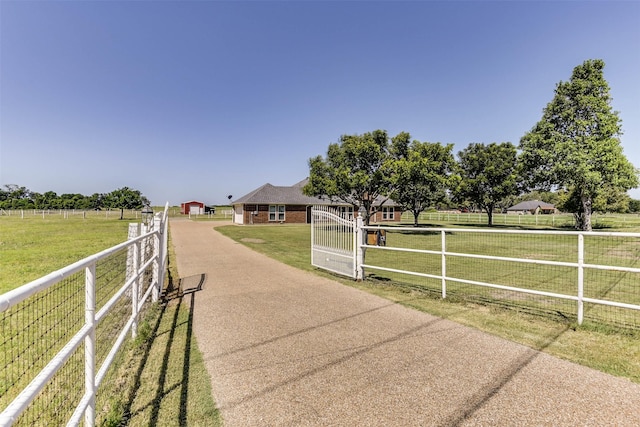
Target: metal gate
x: 333, y: 241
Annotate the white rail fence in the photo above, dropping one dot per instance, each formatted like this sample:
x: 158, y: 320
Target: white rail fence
x: 62, y: 332
x: 68, y: 213
x: 542, y: 220
x: 574, y: 276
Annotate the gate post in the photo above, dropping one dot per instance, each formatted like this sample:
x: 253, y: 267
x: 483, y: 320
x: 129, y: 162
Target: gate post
x: 580, y: 278
x: 155, y: 293
x: 134, y: 231
x: 358, y: 250
x: 443, y: 241
x: 90, y: 343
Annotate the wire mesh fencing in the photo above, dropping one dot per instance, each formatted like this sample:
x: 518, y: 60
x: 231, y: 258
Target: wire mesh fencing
x: 557, y: 220
x: 570, y: 276
x: 33, y: 332
x: 61, y: 333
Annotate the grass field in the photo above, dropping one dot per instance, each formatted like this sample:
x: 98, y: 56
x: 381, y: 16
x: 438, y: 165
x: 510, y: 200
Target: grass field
x: 160, y: 378
x: 606, y: 349
x: 32, y: 247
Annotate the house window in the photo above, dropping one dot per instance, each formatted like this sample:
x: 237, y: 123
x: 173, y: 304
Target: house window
x: 346, y: 211
x: 387, y: 213
x: 276, y: 212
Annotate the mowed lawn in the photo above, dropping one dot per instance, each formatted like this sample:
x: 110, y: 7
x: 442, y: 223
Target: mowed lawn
x: 160, y: 378
x: 32, y: 247
x: 615, y: 352
x: 609, y: 349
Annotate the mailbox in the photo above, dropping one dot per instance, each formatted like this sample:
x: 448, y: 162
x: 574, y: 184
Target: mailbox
x: 377, y: 237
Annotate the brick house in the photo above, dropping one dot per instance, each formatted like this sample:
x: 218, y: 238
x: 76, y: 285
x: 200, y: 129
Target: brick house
x: 270, y: 204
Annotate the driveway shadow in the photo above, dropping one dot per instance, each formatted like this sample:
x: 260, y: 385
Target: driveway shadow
x: 178, y: 340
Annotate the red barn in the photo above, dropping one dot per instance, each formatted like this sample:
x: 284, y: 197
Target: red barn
x: 193, y: 208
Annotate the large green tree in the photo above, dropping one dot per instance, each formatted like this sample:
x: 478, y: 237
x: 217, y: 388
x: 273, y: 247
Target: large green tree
x: 422, y: 172
x: 488, y: 174
x: 15, y: 197
x: 357, y: 170
x: 125, y: 198
x: 576, y: 147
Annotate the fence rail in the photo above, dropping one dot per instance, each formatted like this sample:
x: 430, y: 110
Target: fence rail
x: 62, y: 332
x: 540, y: 220
x: 575, y: 275
x: 68, y: 213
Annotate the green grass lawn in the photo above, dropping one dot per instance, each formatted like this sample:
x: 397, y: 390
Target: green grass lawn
x: 32, y: 247
x: 158, y: 379
x: 162, y: 376
x: 608, y: 349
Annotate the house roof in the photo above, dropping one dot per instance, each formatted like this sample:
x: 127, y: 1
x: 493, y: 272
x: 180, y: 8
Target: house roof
x: 291, y: 195
x: 271, y: 194
x: 531, y: 205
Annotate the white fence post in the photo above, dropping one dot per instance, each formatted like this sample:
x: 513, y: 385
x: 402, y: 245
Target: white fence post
x: 313, y: 236
x: 165, y: 243
x: 443, y: 241
x: 90, y: 344
x: 135, y: 289
x: 132, y: 270
x: 134, y: 231
x: 155, y: 293
x: 359, y: 253
x: 580, y: 278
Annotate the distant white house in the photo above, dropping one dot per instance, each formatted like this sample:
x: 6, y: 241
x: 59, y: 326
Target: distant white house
x: 532, y: 207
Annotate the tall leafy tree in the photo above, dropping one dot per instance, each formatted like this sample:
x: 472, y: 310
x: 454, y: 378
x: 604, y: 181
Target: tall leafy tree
x: 4, y: 195
x: 17, y: 197
x: 576, y: 147
x: 126, y: 198
x: 488, y: 174
x: 357, y: 170
x: 422, y: 173
x: 96, y: 200
x: 634, y: 205
x: 49, y: 200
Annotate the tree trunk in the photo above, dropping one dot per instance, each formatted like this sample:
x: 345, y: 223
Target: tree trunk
x: 367, y: 215
x: 586, y: 214
x: 415, y: 218
x: 121, y: 213
x: 489, y: 210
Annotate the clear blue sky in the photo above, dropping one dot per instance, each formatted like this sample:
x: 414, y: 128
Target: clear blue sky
x: 201, y: 99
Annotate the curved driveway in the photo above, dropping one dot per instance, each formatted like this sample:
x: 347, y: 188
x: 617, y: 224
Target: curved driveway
x: 287, y: 348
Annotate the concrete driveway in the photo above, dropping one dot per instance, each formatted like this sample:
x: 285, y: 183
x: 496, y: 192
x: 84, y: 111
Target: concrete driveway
x: 287, y: 348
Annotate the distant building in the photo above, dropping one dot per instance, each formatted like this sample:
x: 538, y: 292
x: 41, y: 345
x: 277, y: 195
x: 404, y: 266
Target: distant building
x: 532, y: 207
x: 193, y: 207
x: 270, y: 204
